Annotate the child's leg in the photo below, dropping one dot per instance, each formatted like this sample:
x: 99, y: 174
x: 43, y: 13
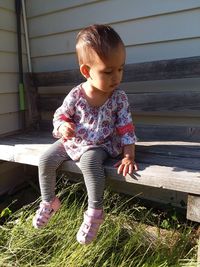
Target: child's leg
x: 94, y: 177
x: 48, y: 164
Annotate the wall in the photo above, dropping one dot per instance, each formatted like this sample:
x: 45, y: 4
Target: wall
x: 9, y: 103
x: 151, y: 30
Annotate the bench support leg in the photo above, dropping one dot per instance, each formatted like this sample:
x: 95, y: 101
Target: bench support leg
x: 198, y: 253
x: 193, y: 210
x: 193, y: 214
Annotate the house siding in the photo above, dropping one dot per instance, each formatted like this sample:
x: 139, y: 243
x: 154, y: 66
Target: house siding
x: 151, y: 30
x: 9, y: 103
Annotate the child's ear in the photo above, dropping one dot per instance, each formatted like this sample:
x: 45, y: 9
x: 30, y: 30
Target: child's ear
x: 84, y: 69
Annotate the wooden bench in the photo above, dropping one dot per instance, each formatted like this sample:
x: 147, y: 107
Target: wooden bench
x: 165, y: 101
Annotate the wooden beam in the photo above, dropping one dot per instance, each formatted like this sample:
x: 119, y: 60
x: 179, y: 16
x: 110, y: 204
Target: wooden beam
x: 193, y: 210
x: 152, y: 132
x: 147, y: 71
x: 155, y: 132
x: 171, y: 178
x: 163, y: 69
x: 184, y: 104
x: 181, y: 174
x: 57, y: 78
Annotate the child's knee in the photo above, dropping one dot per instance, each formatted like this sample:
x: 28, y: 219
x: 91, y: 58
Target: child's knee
x: 94, y: 155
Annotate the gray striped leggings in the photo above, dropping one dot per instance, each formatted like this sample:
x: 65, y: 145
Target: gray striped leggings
x: 91, y: 166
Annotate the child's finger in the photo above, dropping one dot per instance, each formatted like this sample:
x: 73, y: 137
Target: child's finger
x: 125, y: 170
x: 120, y: 169
x: 136, y: 168
x: 130, y: 170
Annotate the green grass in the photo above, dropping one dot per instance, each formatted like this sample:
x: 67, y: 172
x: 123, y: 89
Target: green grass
x: 130, y: 236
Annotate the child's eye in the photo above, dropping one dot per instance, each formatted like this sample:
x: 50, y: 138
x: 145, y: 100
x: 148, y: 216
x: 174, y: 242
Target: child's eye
x: 108, y: 72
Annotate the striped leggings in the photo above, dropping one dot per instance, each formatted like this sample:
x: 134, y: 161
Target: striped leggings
x: 91, y: 163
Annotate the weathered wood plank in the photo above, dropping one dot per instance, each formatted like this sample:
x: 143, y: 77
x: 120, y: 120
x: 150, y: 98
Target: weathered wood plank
x: 26, y: 148
x: 158, y: 196
x: 6, y: 152
x: 29, y: 154
x: 185, y: 104
x: 166, y: 103
x: 68, y: 77
x: 166, y: 165
x: 172, y: 154
x: 32, y: 112
x: 172, y: 178
x: 171, y: 148
x: 163, y: 69
x: 154, y: 132
x: 168, y: 133
x: 147, y: 71
x: 177, y: 179
x: 29, y: 137
x: 193, y: 210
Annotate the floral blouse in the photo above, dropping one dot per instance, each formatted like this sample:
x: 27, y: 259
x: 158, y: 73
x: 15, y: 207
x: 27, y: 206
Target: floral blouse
x: 108, y: 126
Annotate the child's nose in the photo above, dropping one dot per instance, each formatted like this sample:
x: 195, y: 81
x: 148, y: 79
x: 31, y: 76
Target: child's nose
x: 116, y: 77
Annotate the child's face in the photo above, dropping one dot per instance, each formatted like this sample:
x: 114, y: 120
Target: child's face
x: 106, y: 75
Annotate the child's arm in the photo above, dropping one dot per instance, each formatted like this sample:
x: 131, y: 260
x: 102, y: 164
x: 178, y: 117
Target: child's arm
x: 127, y: 164
x: 64, y: 126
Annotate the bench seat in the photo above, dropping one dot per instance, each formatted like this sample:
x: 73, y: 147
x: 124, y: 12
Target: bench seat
x: 168, y: 165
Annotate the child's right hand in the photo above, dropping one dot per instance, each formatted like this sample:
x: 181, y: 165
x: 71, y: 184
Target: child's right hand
x: 67, y: 130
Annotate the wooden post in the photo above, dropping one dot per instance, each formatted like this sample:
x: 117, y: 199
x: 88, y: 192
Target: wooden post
x: 193, y: 213
x: 198, y: 252
x: 193, y: 210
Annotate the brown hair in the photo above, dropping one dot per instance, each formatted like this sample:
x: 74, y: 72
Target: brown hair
x: 97, y: 38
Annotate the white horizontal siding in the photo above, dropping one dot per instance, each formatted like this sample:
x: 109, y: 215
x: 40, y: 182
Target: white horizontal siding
x: 163, y: 50
x: 9, y: 103
x: 151, y: 30
x: 54, y: 63
x: 172, y: 27
x: 51, y: 6
x: 9, y: 77
x: 9, y: 62
x: 8, y: 83
x: 9, y: 122
x: 135, y: 54
x: 113, y: 11
x: 161, y: 28
x: 8, y: 5
x: 9, y: 41
x: 7, y: 18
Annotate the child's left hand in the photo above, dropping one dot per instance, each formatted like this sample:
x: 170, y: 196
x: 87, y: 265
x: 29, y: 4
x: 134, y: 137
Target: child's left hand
x: 126, y: 166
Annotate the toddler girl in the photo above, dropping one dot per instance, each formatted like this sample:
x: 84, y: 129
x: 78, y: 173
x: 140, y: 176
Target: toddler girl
x: 93, y: 123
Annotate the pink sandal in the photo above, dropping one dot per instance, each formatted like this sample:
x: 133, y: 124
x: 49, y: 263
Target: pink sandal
x: 45, y: 212
x: 89, y: 228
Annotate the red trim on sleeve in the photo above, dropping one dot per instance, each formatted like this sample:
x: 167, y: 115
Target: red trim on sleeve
x: 64, y: 118
x: 126, y: 129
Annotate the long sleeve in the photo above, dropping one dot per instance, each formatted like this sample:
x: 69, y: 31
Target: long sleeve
x: 124, y: 126
x: 64, y: 113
